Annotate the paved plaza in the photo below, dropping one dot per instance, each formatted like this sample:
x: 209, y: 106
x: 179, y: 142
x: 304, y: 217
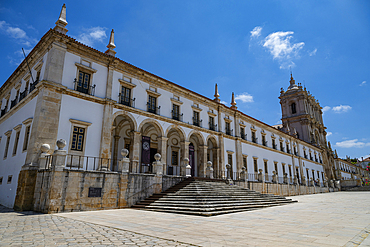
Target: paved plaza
x: 331, y: 219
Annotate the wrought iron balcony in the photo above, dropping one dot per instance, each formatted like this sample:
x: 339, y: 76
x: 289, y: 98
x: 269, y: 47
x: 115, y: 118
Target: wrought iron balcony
x: 13, y: 102
x: 243, y: 136
x: 23, y: 94
x: 84, y: 88
x: 254, y: 139
x: 33, y: 85
x: 274, y: 146
x: 229, y: 132
x: 152, y: 108
x: 288, y: 151
x: 177, y: 116
x: 264, y: 143
x: 126, y: 101
x: 212, y: 126
x: 197, y: 122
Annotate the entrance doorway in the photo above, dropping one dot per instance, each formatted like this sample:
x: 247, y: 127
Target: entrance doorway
x: 192, y: 159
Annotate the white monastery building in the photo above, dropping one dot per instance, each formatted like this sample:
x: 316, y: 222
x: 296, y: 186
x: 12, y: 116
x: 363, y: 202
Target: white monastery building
x: 100, y: 104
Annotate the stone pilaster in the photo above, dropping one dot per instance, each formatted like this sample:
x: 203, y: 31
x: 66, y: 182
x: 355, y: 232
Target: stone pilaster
x: 238, y: 155
x: 184, y: 151
x: 162, y: 150
x: 115, y: 151
x: 136, y: 152
x: 55, y: 62
x: 106, y: 134
x: 203, y: 161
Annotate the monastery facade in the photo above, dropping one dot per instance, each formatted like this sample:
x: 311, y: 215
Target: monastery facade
x: 100, y: 105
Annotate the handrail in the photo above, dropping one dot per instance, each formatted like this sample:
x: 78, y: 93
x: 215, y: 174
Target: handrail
x: 143, y: 190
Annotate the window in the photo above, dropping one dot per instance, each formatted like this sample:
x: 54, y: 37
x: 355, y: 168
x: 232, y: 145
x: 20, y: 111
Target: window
x: 174, y: 158
x: 78, y: 138
x: 287, y: 148
x: 212, y: 123
x: 276, y: 167
x: 10, y: 179
x: 266, y: 168
x: 293, y: 108
x: 16, y: 142
x: 227, y: 128
x: 264, y: 140
x: 152, y: 104
x: 26, y: 137
x: 281, y: 146
x: 273, y: 143
x: 290, y: 171
x: 242, y: 133
x: 313, y: 174
x: 83, y: 83
x: 283, y: 166
x: 125, y: 96
x: 230, y: 159
x: 7, y: 144
x: 196, y: 120
x: 255, y: 165
x: 304, y: 153
x: 175, y: 112
x: 254, y: 139
x: 1, y: 180
x: 245, y: 162
x: 308, y: 175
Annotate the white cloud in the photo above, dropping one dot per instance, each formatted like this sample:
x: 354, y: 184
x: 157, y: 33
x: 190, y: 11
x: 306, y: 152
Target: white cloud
x: 312, y: 53
x: 363, y: 83
x: 281, y: 48
x: 256, y: 32
x: 244, y: 97
x: 17, y: 33
x: 223, y: 102
x: 328, y: 133
x: 92, y: 35
x: 326, y: 108
x: 352, y: 144
x: 341, y: 108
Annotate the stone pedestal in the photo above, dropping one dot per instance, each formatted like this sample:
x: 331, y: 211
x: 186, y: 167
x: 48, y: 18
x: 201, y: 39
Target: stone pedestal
x: 228, y: 171
x: 260, y: 176
x: 285, y: 178
x: 158, y: 171
x: 124, y: 163
x: 187, y: 167
x: 274, y: 177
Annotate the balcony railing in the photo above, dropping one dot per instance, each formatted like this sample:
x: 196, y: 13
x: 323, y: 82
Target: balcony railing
x: 33, y: 85
x: 274, y: 146
x: 23, y: 94
x: 229, y: 132
x: 152, y: 108
x: 177, y: 116
x: 243, y: 136
x: 126, y: 101
x: 84, y: 88
x: 264, y: 143
x: 197, y: 122
x: 254, y: 139
x: 212, y: 126
x: 288, y: 151
x: 13, y: 102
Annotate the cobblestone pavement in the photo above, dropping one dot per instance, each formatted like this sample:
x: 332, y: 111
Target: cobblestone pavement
x: 33, y: 229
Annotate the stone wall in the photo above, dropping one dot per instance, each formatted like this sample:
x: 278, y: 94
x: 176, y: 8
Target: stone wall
x: 282, y: 189
x: 349, y: 183
x: 76, y: 190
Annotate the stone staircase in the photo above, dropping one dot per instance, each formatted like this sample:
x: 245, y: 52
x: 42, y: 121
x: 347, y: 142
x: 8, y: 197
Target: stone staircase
x: 206, y: 197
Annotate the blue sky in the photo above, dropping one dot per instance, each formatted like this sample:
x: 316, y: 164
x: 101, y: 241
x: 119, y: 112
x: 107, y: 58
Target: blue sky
x: 247, y: 47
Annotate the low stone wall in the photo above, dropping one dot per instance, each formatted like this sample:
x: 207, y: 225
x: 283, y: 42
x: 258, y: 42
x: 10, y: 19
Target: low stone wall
x: 282, y: 189
x: 76, y: 190
x: 350, y: 183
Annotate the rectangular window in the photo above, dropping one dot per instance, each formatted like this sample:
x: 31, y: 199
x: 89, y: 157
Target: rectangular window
x: 242, y: 133
x: 176, y: 112
x: 287, y: 148
x: 230, y: 159
x: 254, y: 139
x: 152, y: 104
x: 83, y: 84
x: 196, y: 120
x: 283, y: 166
x: 313, y: 174
x: 266, y: 168
x: 125, y: 96
x: 263, y: 140
x: 273, y: 144
x: 255, y: 165
x: 78, y: 138
x: 227, y: 128
x: 10, y: 179
x: 174, y: 159
x: 1, y: 180
x: 212, y: 123
x: 318, y: 174
x: 276, y: 168
x: 16, y: 142
x: 308, y: 175
x: 245, y: 163
x: 26, y: 137
x: 281, y: 147
x: 7, y: 146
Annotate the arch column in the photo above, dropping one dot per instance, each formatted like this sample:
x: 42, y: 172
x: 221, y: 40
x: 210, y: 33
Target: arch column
x: 136, y: 146
x: 162, y: 149
x: 115, y: 152
x: 203, y: 160
x: 238, y: 155
x: 184, y: 153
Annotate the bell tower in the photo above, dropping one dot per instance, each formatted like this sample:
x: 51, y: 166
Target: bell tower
x: 302, y: 114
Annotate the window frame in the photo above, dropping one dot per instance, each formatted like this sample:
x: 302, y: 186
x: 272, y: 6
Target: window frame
x: 79, y: 124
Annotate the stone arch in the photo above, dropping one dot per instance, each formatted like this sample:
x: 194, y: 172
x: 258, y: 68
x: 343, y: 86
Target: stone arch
x: 213, y: 152
x: 198, y: 134
x: 123, y: 127
x: 175, y: 150
x: 172, y: 127
x: 197, y: 153
x: 154, y: 123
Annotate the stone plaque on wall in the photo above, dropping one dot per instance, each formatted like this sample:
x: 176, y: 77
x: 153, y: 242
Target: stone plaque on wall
x: 94, y: 192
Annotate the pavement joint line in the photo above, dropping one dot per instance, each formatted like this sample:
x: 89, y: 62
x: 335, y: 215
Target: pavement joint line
x: 359, y: 238
x: 116, y: 228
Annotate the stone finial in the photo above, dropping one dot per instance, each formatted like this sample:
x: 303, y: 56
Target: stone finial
x: 295, y: 133
x: 282, y: 91
x: 124, y: 153
x: 61, y: 23
x: 111, y: 45
x: 336, y: 155
x: 45, y: 148
x: 288, y: 129
x: 233, y: 103
x: 292, y: 83
x: 157, y: 157
x: 217, y: 96
x: 61, y: 143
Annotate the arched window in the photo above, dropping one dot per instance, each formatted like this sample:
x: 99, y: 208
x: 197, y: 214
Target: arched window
x: 293, y: 108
